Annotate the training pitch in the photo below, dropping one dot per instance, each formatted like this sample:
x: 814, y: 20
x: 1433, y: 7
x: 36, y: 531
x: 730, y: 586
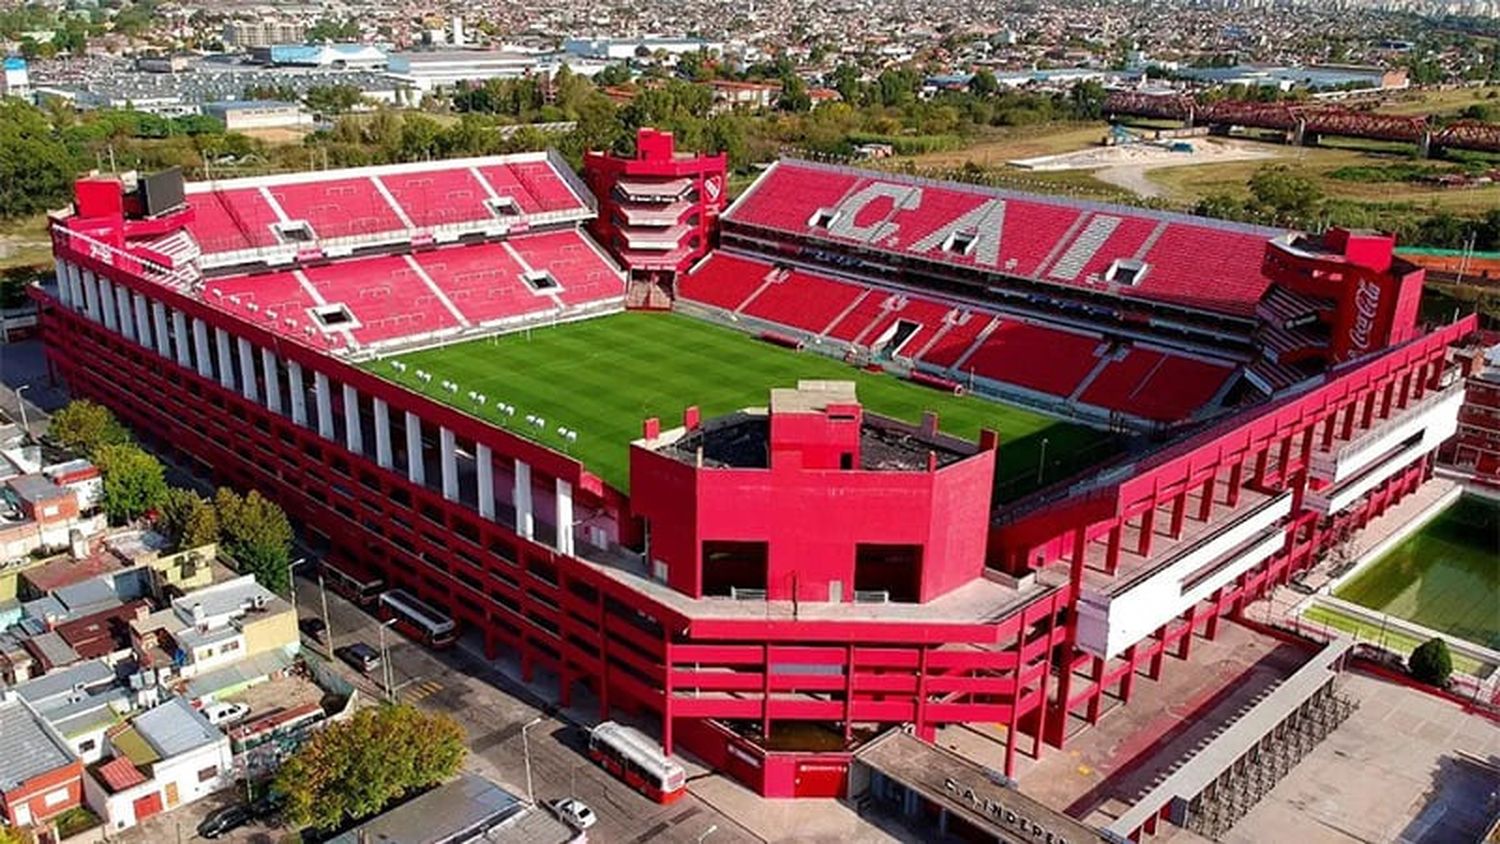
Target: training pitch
x: 601, y: 377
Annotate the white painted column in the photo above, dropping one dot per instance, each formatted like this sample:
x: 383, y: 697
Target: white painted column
x: 226, y: 372
x: 448, y: 445
x: 272, y: 376
x: 200, y: 343
x: 484, y: 461
x: 416, y: 470
x: 564, y: 516
x: 247, y: 371
x: 180, y: 335
x: 383, y: 434
x: 354, y: 438
x: 525, y: 522
x: 75, y: 280
x: 298, y: 392
x: 142, y: 321
x: 107, y: 303
x: 91, y: 284
x: 122, y: 304
x: 163, y: 337
x: 64, y: 289
x: 323, y: 395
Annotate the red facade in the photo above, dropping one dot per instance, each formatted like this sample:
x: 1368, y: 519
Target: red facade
x: 375, y: 472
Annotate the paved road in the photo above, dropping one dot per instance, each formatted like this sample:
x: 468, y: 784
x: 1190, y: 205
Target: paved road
x: 493, y: 709
x: 23, y: 366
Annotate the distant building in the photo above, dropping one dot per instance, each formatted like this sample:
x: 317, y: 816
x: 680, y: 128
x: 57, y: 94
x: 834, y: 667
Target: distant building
x: 428, y: 71
x: 244, y: 35
x: 14, y: 79
x: 1311, y: 77
x: 1475, y: 451
x: 632, y: 48
x: 730, y: 95
x: 239, y: 115
x: 337, y: 56
x: 176, y: 63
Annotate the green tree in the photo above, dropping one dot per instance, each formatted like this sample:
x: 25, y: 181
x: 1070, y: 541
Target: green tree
x: 134, y: 481
x: 83, y: 427
x: 794, y: 96
x: 1289, y: 198
x: 187, y: 519
x: 1431, y: 663
x: 256, y: 533
x: 351, y: 769
x: 36, y: 171
x: 984, y: 83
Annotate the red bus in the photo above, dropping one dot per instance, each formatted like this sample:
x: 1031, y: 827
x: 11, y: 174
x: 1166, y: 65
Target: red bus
x: 635, y: 758
x: 353, y: 584
x: 419, y: 621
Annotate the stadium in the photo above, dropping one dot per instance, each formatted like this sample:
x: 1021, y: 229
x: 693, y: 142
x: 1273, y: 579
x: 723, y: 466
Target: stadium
x: 852, y: 452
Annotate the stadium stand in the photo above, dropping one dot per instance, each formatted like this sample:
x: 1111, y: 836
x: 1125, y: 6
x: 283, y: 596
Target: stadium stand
x: 276, y: 300
x: 1036, y: 357
x: 584, y: 275
x: 854, y: 325
x: 1155, y: 385
x: 439, y: 197
x: 945, y: 349
x: 227, y: 221
x: 723, y: 280
x: 387, y: 297
x: 340, y: 208
x: 926, y: 315
x: 534, y: 186
x: 483, y: 282
x: 804, y: 300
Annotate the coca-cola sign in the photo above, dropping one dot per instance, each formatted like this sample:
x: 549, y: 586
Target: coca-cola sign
x: 1366, y: 305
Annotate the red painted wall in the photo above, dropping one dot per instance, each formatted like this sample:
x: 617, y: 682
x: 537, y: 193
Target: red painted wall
x: 33, y: 793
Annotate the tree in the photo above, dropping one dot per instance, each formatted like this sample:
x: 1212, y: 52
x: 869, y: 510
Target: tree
x: 256, y: 533
x: 1289, y: 198
x: 984, y: 83
x: 188, y: 520
x: 352, y: 769
x: 84, y: 427
x: 12, y: 835
x: 1431, y: 663
x: 794, y: 96
x: 36, y: 171
x: 134, y: 481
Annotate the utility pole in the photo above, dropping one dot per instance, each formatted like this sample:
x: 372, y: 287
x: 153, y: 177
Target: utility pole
x: 526, y: 754
x: 327, y: 619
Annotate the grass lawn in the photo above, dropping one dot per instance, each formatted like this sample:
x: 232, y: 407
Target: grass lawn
x: 1439, y: 102
x: 602, y: 377
x: 1391, y: 640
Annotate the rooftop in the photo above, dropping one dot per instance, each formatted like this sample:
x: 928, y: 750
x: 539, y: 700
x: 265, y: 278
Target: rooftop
x: 175, y: 727
x: 456, y: 811
x: 28, y: 747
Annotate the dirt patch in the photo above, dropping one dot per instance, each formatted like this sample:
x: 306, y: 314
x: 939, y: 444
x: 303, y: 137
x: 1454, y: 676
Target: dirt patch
x: 1126, y: 165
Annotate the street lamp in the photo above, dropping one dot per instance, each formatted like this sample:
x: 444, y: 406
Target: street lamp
x: 526, y: 754
x: 1041, y: 462
x: 712, y: 828
x: 291, y: 580
x: 385, y: 665
x: 21, y: 403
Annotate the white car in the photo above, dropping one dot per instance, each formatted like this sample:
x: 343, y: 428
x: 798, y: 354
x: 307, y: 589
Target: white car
x: 574, y: 812
x: 222, y: 714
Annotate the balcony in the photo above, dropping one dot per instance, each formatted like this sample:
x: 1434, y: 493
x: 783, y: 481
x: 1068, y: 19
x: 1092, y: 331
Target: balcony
x: 1431, y: 420
x: 1114, y: 613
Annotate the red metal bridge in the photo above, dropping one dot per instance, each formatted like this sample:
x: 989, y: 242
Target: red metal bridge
x: 1301, y: 120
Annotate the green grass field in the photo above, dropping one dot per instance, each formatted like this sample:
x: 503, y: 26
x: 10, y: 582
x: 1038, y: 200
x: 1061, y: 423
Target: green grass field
x: 602, y: 377
x: 1392, y: 640
x: 1446, y: 576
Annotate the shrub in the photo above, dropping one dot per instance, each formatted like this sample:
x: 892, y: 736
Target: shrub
x: 1431, y: 663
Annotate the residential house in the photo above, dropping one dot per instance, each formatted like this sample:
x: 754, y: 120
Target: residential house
x: 39, y: 775
x: 215, y: 626
x: 165, y: 757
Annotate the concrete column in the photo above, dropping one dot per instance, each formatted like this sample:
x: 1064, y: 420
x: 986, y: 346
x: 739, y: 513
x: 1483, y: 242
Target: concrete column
x: 91, y: 285
x: 182, y: 339
x: 75, y: 275
x: 64, y: 291
x: 416, y: 470
x: 226, y: 371
x: 323, y: 395
x: 383, y: 434
x: 122, y: 306
x: 107, y: 308
x: 271, y: 374
x: 297, y: 390
x: 163, y: 336
x: 525, y: 522
x: 200, y: 343
x: 564, y: 517
x: 448, y: 446
x: 484, y: 460
x: 248, y: 388
x: 142, y: 321
x: 354, y: 438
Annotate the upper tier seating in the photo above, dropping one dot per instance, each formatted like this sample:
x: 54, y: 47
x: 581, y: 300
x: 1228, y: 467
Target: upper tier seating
x: 337, y: 208
x: 1044, y: 359
x: 535, y: 186
x: 439, y: 197
x: 227, y: 221
x: 1207, y: 264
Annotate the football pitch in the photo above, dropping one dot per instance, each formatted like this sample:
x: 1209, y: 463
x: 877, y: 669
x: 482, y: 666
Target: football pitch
x: 601, y: 377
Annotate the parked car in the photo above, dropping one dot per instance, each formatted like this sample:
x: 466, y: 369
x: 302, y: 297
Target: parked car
x: 361, y: 656
x: 225, y: 820
x: 314, y: 629
x: 225, y: 713
x: 573, y: 812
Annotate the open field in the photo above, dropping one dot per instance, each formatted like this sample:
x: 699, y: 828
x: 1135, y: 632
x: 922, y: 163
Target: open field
x: 996, y: 147
x: 1392, y: 640
x: 1439, y: 102
x: 24, y: 242
x: 602, y: 377
x: 1446, y: 576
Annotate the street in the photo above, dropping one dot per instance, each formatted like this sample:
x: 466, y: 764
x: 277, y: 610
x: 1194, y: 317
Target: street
x: 493, y: 710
